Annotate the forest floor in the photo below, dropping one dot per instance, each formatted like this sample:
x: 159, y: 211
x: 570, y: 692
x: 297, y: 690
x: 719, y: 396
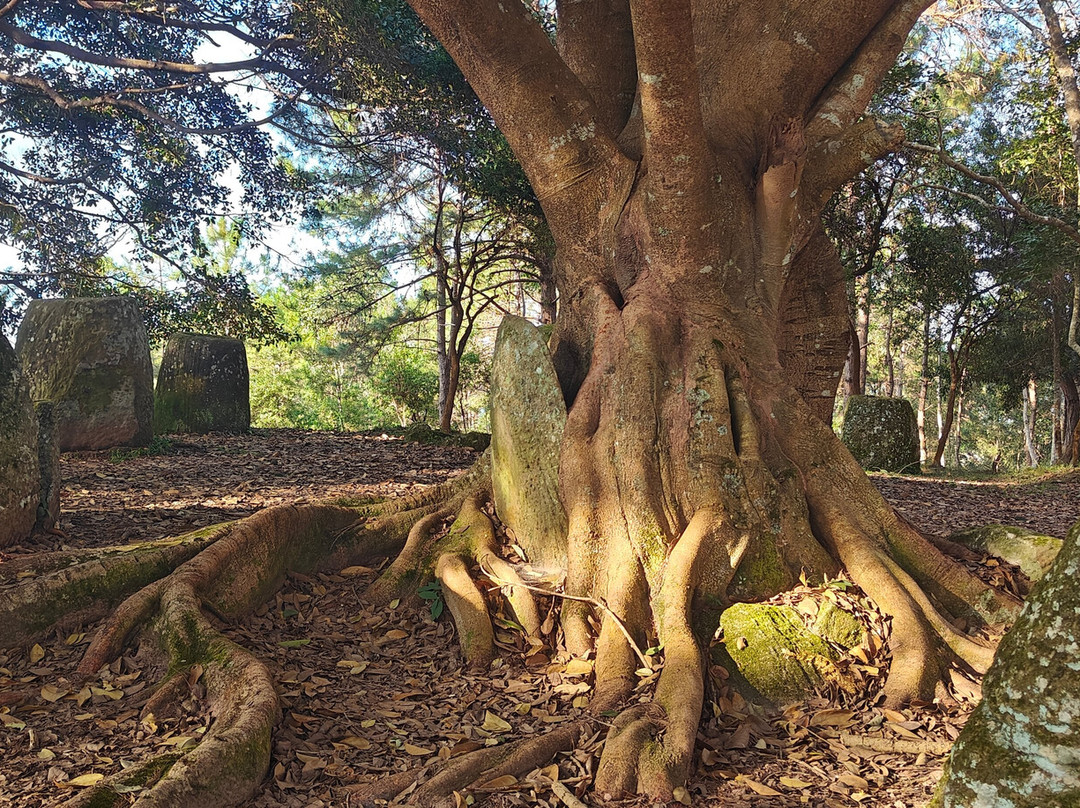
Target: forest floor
x: 368, y: 692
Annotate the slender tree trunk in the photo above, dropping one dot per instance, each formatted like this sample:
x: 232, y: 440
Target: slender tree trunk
x: 1030, y: 409
x: 960, y: 417
x: 862, y: 326
x: 1057, y: 439
x: 945, y: 425
x: 890, y: 382
x: 924, y: 386
x: 853, y: 380
x: 441, y: 353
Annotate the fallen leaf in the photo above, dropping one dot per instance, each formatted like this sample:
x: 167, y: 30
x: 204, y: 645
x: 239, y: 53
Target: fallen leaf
x: 831, y: 718
x: 757, y: 788
x: 37, y: 653
x: 492, y: 723
x: 505, y: 781
x: 355, y: 742
x: 84, y: 780
x: 417, y: 750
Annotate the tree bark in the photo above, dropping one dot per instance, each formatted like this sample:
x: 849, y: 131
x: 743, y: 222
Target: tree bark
x: 945, y: 427
x: 1070, y: 418
x: 862, y: 326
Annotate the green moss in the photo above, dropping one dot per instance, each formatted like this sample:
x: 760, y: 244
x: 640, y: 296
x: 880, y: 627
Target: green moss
x: 1032, y: 552
x: 761, y: 574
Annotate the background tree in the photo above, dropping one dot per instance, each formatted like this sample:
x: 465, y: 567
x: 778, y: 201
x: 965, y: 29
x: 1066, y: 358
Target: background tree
x: 122, y: 129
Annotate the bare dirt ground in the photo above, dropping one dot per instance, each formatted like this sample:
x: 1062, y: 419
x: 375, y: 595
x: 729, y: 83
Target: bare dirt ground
x: 369, y: 692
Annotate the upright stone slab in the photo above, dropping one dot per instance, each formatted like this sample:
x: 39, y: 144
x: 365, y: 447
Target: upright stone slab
x: 1021, y: 746
x: 527, y: 420
x: 202, y: 386
x: 20, y: 481
x: 882, y: 433
x: 91, y: 358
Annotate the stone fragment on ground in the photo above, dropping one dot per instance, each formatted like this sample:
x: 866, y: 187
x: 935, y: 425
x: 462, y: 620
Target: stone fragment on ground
x: 778, y: 654
x: 528, y: 416
x: 202, y: 386
x: 881, y: 433
x: 1032, y: 552
x: 91, y: 358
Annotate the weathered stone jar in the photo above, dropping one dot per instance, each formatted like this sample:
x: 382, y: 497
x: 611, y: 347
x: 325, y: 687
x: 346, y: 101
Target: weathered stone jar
x: 91, y: 358
x: 202, y: 385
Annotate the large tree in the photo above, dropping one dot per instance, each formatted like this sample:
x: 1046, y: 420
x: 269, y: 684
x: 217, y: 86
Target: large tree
x: 682, y: 153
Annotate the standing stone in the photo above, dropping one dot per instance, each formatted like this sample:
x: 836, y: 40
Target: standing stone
x: 202, y: 386
x: 20, y: 481
x: 527, y: 420
x: 882, y: 433
x: 1021, y: 746
x: 91, y: 358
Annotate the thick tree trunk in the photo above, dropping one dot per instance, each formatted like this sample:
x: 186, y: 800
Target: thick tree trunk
x: 701, y: 333
x: 682, y: 153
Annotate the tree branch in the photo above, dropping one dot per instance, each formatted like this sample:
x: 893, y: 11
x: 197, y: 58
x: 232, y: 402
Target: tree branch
x: 849, y: 93
x: 668, y: 83
x: 835, y: 161
x: 1021, y: 210
x: 536, y: 100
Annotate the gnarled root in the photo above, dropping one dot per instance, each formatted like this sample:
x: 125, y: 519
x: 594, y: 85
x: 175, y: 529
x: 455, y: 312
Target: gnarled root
x: 232, y: 573
x: 447, y: 556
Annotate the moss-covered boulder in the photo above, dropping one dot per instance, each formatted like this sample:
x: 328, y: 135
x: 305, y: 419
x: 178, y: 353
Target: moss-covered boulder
x: 775, y: 654
x: 202, y: 386
x: 882, y: 433
x: 1033, y: 553
x: 528, y: 416
x: 1021, y: 746
x: 90, y: 357
x: 20, y: 481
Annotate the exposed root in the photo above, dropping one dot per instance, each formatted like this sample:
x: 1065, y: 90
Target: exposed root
x: 447, y: 556
x: 476, y: 768
x: 118, y: 789
x: 231, y: 571
x: 73, y: 587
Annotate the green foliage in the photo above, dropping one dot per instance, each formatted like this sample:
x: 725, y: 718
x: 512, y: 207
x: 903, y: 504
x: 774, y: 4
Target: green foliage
x: 432, y: 593
x: 409, y: 382
x: 99, y: 152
